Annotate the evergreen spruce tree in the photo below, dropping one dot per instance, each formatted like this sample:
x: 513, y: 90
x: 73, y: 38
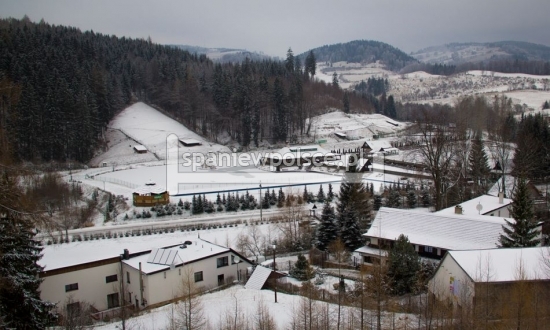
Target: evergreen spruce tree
x: 330, y: 194
x: 302, y: 270
x: 327, y: 231
x: 353, y: 195
x: 218, y: 199
x: 394, y: 199
x: 281, y: 198
x: 345, y: 101
x: 321, y: 195
x: 265, y: 201
x: 310, y: 65
x: 411, y: 199
x: 20, y: 303
x: 272, y: 198
x: 403, y: 266
x: 180, y: 203
x: 289, y: 62
x: 194, y: 209
x: 350, y: 233
x: 478, y: 164
x: 377, y: 204
x: 426, y: 198
x: 390, y: 110
x: 305, y: 195
x: 335, y: 82
x: 224, y: 201
x: 522, y: 232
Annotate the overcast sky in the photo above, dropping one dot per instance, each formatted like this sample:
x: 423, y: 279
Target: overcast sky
x: 271, y: 26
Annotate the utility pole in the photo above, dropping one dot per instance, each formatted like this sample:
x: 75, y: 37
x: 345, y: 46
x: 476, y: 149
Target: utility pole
x: 274, y: 279
x: 261, y: 205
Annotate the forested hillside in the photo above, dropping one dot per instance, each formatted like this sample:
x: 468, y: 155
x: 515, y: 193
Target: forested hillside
x: 363, y: 51
x: 60, y: 87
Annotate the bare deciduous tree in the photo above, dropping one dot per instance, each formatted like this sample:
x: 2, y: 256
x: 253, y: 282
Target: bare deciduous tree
x: 189, y: 310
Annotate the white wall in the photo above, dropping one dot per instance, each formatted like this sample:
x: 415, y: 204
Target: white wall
x: 450, y: 282
x: 158, y: 289
x: 92, y: 287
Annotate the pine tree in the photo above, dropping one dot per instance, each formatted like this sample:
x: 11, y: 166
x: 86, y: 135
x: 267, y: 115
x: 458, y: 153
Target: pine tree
x: 353, y: 195
x: 310, y: 65
x: 426, y: 198
x: 289, y: 62
x: 411, y: 199
x: 522, y: 232
x: 321, y: 195
x: 350, y: 233
x: 327, y: 231
x: 330, y: 194
x: 281, y: 198
x: 478, y: 162
x: 272, y: 198
x: 180, y: 203
x: 345, y: 101
x: 302, y: 270
x: 545, y: 105
x: 265, y: 201
x: 403, y: 266
x: 390, y: 110
x: 218, y: 199
x: 335, y: 82
x: 20, y: 303
x: 377, y: 204
x: 305, y: 195
x: 394, y: 199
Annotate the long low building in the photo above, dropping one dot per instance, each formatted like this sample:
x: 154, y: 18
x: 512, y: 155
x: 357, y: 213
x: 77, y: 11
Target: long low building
x: 106, y: 273
x: 432, y: 234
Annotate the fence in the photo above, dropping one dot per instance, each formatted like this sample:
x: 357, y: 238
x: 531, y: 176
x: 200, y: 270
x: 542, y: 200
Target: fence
x: 117, y: 181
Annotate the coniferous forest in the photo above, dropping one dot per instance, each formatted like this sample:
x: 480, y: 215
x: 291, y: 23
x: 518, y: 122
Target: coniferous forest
x: 60, y: 87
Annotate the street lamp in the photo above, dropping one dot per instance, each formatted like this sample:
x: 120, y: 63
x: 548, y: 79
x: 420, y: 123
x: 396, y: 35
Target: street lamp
x: 274, y: 246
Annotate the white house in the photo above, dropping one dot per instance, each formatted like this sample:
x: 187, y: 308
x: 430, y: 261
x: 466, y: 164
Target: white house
x: 156, y: 277
x: 96, y: 272
x: 432, y: 234
x: 488, y: 205
x: 491, y: 279
x: 383, y: 146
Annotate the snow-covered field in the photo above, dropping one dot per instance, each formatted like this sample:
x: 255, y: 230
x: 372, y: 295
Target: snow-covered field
x: 218, y: 305
x: 423, y: 87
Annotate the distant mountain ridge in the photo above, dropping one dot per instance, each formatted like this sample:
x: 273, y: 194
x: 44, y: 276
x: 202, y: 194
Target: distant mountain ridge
x: 362, y: 51
x: 459, y: 53
x: 224, y: 55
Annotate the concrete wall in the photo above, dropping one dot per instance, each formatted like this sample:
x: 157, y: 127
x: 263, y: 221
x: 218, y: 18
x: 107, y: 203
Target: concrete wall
x: 92, y: 287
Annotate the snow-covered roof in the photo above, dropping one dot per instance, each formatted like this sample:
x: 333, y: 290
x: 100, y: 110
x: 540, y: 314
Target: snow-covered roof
x: 140, y: 147
x: 57, y: 256
x: 303, y: 151
x: 377, y: 145
x: 503, y: 264
x: 150, y: 189
x: 450, y: 232
x: 488, y: 203
x: 190, y: 141
x: 372, y: 251
x: 258, y: 278
x: 163, y: 258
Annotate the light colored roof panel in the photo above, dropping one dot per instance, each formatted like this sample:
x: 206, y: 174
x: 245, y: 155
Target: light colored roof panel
x: 503, y: 264
x: 140, y: 147
x: 451, y: 232
x: 258, y: 278
x: 488, y: 203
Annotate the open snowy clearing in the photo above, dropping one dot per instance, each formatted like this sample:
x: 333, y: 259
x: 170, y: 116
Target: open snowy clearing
x: 149, y: 127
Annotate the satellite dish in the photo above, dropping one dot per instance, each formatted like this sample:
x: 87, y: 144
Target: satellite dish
x: 479, y: 207
x: 237, y: 259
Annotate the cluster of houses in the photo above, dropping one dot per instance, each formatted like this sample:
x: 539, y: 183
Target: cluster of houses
x: 464, y: 239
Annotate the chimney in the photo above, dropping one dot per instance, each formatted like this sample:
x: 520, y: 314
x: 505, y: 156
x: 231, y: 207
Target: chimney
x: 126, y: 254
x: 458, y: 209
x: 500, y: 197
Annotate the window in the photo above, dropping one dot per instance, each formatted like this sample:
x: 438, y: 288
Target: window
x: 223, y: 261
x: 164, y: 275
x: 111, y: 278
x: 112, y: 300
x: 179, y: 271
x: 73, y: 309
x: 198, y: 277
x: 71, y: 287
x: 128, y: 277
x: 428, y: 249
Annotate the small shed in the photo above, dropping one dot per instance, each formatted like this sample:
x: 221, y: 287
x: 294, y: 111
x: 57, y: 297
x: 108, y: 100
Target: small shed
x: 260, y: 277
x: 150, y: 195
x: 190, y: 142
x: 140, y: 149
